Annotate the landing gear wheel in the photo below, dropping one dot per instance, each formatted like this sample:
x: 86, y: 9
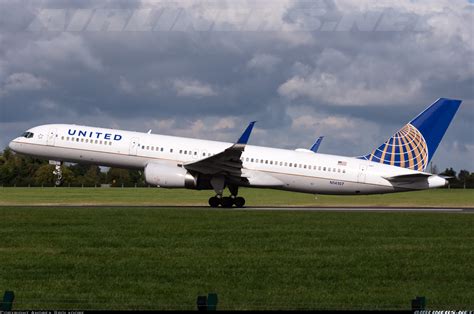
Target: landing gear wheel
x: 214, y: 201
x: 239, y: 202
x: 58, y: 173
x: 227, y: 202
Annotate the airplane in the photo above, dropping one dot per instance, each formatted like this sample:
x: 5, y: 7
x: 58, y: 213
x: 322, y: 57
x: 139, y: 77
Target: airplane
x: 397, y: 165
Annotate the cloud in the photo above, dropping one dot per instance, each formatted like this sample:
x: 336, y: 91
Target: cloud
x: 327, y: 87
x: 264, y: 62
x: 125, y: 86
x: 192, y: 88
x: 205, y: 69
x: 23, y: 81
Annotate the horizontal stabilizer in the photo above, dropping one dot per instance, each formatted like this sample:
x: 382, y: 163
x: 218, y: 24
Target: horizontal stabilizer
x: 409, y: 177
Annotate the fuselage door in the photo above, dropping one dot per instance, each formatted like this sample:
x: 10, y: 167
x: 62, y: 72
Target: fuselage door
x: 134, y: 143
x: 51, y: 137
x: 362, y: 174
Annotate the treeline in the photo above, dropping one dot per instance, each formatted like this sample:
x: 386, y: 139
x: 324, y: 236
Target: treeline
x: 19, y: 170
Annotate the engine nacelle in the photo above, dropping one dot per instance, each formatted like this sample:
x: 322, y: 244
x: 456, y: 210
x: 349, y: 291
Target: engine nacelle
x: 168, y: 176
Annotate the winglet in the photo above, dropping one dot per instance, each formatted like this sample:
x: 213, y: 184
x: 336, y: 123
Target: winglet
x: 315, y: 146
x: 244, y: 138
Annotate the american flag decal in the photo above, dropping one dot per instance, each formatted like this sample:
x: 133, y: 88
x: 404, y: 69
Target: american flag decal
x: 342, y: 163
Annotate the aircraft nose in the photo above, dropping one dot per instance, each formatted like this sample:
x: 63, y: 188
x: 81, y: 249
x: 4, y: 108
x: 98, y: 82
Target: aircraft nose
x: 13, y: 145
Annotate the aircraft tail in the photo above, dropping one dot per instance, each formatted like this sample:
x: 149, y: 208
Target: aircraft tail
x: 414, y: 145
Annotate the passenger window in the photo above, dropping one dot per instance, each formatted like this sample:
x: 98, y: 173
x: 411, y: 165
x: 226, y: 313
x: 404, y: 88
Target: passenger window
x: 110, y: 143
x: 324, y: 168
x: 291, y: 164
x: 77, y: 139
x: 96, y: 141
x: 251, y: 160
x: 171, y: 150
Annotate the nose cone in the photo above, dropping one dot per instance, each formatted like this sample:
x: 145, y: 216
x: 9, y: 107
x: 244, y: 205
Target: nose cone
x: 13, y: 145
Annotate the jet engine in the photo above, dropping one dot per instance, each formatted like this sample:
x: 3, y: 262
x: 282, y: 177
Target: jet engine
x: 169, y: 176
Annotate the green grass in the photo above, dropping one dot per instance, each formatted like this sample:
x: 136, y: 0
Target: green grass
x: 163, y: 258
x: 254, y: 197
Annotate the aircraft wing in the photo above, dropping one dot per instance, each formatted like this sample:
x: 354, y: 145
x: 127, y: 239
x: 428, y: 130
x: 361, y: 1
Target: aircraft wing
x: 227, y: 162
x: 315, y: 146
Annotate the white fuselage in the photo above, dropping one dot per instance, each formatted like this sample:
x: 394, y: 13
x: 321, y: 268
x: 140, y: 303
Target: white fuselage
x: 301, y: 171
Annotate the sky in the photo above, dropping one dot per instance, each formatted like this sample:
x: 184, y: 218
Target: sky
x: 354, y: 71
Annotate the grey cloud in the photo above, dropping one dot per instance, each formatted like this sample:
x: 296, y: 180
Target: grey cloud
x: 187, y: 82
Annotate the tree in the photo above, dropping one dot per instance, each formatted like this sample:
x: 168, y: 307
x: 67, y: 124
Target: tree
x: 118, y: 177
x: 92, y: 176
x: 463, y: 177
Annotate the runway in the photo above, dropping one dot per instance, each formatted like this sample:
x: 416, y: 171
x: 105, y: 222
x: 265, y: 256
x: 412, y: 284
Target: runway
x: 365, y: 209
x: 468, y: 210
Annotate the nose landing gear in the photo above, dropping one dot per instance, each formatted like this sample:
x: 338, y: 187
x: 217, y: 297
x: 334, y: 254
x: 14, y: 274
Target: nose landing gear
x: 58, y: 172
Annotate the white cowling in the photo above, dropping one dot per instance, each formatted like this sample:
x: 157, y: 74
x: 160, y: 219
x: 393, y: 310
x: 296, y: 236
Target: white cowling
x: 168, y: 176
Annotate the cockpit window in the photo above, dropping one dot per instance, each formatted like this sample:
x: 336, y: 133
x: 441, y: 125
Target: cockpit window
x: 28, y: 134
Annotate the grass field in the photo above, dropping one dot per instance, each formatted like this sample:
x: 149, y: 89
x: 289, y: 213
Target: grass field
x: 254, y: 197
x: 163, y: 258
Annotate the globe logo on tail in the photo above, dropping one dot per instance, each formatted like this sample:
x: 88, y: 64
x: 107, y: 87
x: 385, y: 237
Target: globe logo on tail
x: 407, y: 149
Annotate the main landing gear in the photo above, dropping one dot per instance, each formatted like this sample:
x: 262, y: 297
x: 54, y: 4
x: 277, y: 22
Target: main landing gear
x: 227, y: 202
x: 218, y: 183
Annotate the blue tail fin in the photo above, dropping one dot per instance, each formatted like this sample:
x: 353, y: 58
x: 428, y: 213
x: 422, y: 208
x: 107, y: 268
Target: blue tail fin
x: 315, y: 146
x: 415, y: 144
